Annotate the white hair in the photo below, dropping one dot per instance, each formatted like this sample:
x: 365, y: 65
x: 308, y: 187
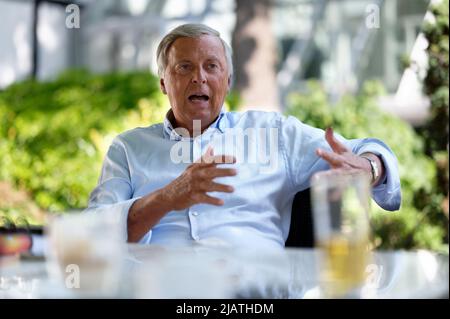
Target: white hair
x: 190, y: 30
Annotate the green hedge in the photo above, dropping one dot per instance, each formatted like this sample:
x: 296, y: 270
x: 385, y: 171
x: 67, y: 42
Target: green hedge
x: 416, y: 224
x: 53, y: 135
x: 436, y: 86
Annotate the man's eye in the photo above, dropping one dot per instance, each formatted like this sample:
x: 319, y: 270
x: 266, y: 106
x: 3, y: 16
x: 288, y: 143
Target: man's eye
x: 213, y: 66
x: 183, y: 67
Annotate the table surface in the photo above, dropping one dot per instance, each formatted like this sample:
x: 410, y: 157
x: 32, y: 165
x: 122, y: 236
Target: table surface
x: 203, y: 272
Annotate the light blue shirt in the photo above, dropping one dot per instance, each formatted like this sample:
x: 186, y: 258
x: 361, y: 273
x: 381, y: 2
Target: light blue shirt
x: 275, y: 160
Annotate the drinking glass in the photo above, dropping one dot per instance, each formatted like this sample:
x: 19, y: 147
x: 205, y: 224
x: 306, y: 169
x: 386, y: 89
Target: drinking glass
x: 341, y: 225
x: 85, y: 253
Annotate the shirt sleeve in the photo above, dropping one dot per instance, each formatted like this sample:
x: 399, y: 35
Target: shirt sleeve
x: 300, y: 142
x: 113, y: 194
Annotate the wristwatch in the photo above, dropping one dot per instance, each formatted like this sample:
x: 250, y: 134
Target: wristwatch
x: 374, y: 166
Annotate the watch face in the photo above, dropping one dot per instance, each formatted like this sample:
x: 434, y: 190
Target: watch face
x: 374, y: 168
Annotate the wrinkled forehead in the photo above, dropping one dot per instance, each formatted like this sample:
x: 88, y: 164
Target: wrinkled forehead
x: 199, y: 48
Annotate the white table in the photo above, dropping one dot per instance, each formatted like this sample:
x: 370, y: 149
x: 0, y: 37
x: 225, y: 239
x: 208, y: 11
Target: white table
x: 203, y: 272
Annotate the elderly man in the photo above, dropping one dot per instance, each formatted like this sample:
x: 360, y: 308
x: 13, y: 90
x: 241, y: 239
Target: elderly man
x: 204, y: 174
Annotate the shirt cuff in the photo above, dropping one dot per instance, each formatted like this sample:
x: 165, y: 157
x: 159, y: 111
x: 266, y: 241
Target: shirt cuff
x: 116, y: 212
x: 387, y: 194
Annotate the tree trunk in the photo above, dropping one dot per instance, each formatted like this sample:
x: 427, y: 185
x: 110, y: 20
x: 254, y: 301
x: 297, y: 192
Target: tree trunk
x: 254, y: 48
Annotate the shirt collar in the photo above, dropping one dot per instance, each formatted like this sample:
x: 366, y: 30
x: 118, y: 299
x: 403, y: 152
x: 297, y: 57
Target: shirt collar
x: 170, y: 132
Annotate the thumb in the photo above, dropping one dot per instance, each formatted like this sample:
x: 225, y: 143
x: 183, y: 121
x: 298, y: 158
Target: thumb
x: 209, y: 151
x: 207, y: 157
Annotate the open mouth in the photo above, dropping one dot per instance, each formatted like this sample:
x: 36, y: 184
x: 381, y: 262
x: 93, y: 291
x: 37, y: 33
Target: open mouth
x: 195, y: 97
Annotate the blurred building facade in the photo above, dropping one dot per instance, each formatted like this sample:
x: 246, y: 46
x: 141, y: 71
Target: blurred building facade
x: 342, y: 43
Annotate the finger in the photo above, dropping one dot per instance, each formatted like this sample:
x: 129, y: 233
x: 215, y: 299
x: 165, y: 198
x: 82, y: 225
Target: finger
x: 333, y: 159
x: 217, y: 187
x: 336, y: 146
x: 220, y: 159
x: 211, y: 200
x: 213, y: 172
x: 205, y: 157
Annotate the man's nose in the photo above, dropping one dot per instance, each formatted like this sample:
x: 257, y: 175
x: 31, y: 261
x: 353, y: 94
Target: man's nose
x: 199, y: 76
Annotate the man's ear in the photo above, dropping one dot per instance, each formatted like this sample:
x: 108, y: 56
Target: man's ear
x: 162, y: 86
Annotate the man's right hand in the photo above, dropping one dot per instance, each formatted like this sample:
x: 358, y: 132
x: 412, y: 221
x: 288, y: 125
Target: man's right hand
x: 192, y: 186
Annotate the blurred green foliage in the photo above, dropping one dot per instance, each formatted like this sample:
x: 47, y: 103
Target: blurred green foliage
x: 436, y: 86
x: 53, y: 135
x: 415, y: 225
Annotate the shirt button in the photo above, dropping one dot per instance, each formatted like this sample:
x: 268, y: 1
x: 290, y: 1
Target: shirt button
x: 196, y: 237
x: 194, y: 214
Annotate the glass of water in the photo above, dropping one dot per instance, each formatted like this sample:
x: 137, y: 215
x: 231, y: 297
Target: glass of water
x: 85, y: 253
x: 340, y: 201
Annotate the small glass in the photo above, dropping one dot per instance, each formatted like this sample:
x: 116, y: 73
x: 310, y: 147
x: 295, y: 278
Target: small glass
x: 85, y: 253
x: 342, y: 230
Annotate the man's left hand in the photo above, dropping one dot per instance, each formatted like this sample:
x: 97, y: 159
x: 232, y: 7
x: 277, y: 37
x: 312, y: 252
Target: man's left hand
x: 342, y: 157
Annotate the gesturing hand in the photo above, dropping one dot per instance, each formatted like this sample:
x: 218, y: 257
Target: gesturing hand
x: 191, y: 186
x: 342, y: 157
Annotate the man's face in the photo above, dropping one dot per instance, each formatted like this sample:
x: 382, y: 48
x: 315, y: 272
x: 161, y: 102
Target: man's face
x: 196, y: 79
